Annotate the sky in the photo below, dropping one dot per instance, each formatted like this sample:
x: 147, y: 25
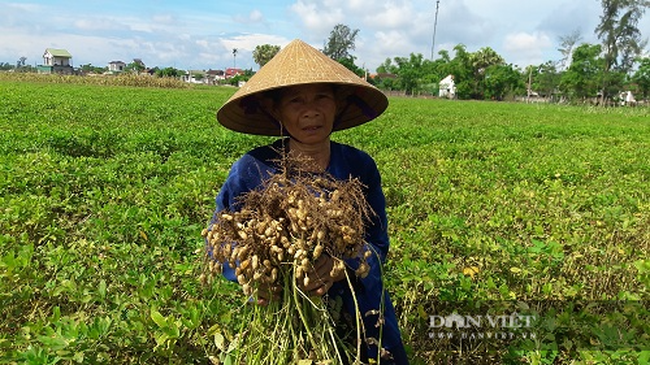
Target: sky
x: 201, y: 35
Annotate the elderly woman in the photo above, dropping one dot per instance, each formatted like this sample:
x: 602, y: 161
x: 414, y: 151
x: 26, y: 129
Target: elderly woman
x: 304, y: 96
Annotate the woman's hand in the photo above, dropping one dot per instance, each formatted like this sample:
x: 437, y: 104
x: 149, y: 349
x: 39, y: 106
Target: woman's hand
x: 322, y: 277
x: 266, y: 293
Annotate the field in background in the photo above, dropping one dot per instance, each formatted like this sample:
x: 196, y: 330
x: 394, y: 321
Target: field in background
x: 104, y: 191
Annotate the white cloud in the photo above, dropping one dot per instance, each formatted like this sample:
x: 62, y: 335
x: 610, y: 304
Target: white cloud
x: 317, y: 18
x: 253, y: 17
x: 24, y: 7
x: 526, y: 42
x: 392, y: 15
x: 248, y: 42
x: 256, y: 16
x: 526, y: 47
x: 164, y: 19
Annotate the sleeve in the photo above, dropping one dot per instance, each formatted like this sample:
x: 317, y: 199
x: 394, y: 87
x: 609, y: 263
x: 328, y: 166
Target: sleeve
x: 370, y: 290
x: 240, y: 180
x: 377, y: 234
x: 234, y: 186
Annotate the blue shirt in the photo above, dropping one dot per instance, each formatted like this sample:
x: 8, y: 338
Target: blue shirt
x: 346, y: 162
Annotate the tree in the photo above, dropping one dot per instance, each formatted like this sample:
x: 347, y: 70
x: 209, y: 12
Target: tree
x: 567, y: 45
x: 135, y: 67
x: 4, y: 66
x: 642, y: 77
x: 169, y: 72
x: 461, y: 67
x: 544, y: 78
x: 484, y: 58
x: 622, y: 43
x: 469, y: 70
x: 340, y: 42
x: 409, y: 72
x: 263, y: 54
x: 386, y: 75
x: 349, y: 64
x: 89, y: 68
x: 583, y: 77
x: 501, y: 81
x: 21, y: 62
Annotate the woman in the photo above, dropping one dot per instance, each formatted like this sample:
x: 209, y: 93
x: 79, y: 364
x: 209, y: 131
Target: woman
x: 303, y: 95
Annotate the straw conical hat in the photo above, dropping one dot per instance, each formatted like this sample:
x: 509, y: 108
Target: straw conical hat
x: 299, y: 63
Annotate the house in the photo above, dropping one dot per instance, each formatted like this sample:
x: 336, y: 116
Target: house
x: 232, y: 72
x: 383, y: 75
x: 195, y: 77
x: 116, y: 66
x: 447, y: 88
x: 139, y: 63
x: 214, y: 76
x: 57, y: 61
x: 209, y: 77
x: 627, y: 98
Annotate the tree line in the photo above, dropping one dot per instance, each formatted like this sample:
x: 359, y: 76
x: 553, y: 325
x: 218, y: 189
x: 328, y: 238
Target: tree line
x: 586, y: 72
x: 595, y: 72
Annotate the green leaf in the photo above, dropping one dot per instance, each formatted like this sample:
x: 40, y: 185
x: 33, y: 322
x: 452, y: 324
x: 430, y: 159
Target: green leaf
x: 219, y: 341
x: 101, y: 289
x: 158, y: 318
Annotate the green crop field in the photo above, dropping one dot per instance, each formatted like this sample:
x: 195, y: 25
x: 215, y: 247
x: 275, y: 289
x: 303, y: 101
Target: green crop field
x: 494, y: 208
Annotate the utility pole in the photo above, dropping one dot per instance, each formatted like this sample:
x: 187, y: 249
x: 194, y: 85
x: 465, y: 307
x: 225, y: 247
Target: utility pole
x: 234, y: 56
x: 435, y: 26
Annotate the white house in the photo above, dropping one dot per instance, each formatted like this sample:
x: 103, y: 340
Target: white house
x: 56, y: 57
x: 56, y: 61
x: 627, y: 98
x: 116, y: 66
x: 447, y: 88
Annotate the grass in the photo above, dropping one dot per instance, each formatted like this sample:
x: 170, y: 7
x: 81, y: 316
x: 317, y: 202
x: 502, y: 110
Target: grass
x: 104, y: 191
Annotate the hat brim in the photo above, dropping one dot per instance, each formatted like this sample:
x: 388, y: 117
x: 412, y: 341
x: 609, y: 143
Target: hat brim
x: 250, y: 114
x: 248, y: 110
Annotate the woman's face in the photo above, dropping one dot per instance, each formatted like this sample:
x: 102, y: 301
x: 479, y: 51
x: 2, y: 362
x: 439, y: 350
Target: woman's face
x: 307, y: 112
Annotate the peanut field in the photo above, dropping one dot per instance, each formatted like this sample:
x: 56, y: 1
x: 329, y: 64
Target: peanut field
x: 525, y: 210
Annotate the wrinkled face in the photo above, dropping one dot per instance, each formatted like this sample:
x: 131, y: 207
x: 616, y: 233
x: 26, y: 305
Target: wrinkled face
x: 307, y: 112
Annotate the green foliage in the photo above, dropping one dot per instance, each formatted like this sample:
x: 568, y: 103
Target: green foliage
x: 136, y: 67
x: 502, y: 81
x: 349, y: 64
x: 409, y: 71
x: 104, y: 191
x: 584, y: 77
x: 4, y: 66
x: 169, y: 72
x: 543, y: 79
x: 619, y: 32
x: 264, y: 53
x: 89, y: 68
x: 642, y: 77
x: 341, y: 42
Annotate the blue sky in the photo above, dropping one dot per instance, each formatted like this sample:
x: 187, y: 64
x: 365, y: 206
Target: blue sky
x: 194, y: 34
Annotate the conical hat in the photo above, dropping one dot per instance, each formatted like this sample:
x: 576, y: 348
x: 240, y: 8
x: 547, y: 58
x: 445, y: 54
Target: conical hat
x: 299, y: 63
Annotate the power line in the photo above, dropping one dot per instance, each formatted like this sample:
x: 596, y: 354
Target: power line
x: 435, y: 26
